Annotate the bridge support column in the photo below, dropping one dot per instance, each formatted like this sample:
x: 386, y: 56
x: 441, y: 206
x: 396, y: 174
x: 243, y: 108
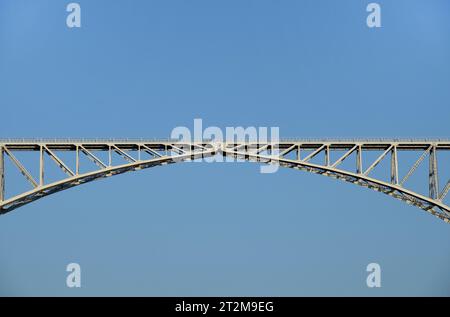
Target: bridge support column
x: 41, y: 166
x: 394, y: 165
x: 359, y: 160
x: 2, y: 174
x: 77, y: 160
x: 433, y: 174
x: 327, y: 155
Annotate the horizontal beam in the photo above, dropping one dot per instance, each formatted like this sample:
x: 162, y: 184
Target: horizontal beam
x: 168, y: 140
x: 342, y: 144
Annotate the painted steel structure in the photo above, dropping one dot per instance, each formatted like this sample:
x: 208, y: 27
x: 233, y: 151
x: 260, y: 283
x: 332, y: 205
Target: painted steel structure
x: 298, y: 154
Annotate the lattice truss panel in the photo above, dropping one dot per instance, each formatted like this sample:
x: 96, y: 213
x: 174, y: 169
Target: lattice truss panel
x: 414, y: 171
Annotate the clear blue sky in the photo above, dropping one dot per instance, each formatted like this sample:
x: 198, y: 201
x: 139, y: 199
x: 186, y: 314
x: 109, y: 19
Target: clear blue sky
x: 141, y: 68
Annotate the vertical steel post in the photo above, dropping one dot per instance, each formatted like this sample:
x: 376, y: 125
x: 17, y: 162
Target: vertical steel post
x: 41, y: 166
x: 298, y: 152
x: 359, y: 160
x: 433, y: 174
x: 2, y: 174
x: 77, y: 158
x: 394, y: 165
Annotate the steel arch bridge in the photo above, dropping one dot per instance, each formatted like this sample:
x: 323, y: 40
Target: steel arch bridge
x: 300, y: 154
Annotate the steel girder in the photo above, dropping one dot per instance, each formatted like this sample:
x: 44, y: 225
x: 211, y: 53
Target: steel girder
x: 169, y: 151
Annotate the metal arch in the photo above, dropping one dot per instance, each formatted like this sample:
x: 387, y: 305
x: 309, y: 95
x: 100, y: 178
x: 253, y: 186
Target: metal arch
x: 168, y: 151
x: 434, y: 207
x: 39, y: 192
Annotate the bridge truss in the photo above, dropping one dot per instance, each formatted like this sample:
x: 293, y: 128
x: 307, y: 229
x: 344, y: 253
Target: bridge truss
x: 347, y: 160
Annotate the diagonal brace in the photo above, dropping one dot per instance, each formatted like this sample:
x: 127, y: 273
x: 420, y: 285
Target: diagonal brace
x: 288, y: 150
x: 92, y: 157
x: 59, y: 162
x: 122, y: 153
x: 343, y: 157
x: 445, y: 191
x: 262, y: 148
x: 177, y: 149
x: 416, y: 165
x: 310, y: 156
x: 22, y: 169
x: 378, y: 160
x: 151, y: 151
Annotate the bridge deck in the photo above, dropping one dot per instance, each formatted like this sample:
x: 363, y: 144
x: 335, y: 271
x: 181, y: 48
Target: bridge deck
x: 308, y: 143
